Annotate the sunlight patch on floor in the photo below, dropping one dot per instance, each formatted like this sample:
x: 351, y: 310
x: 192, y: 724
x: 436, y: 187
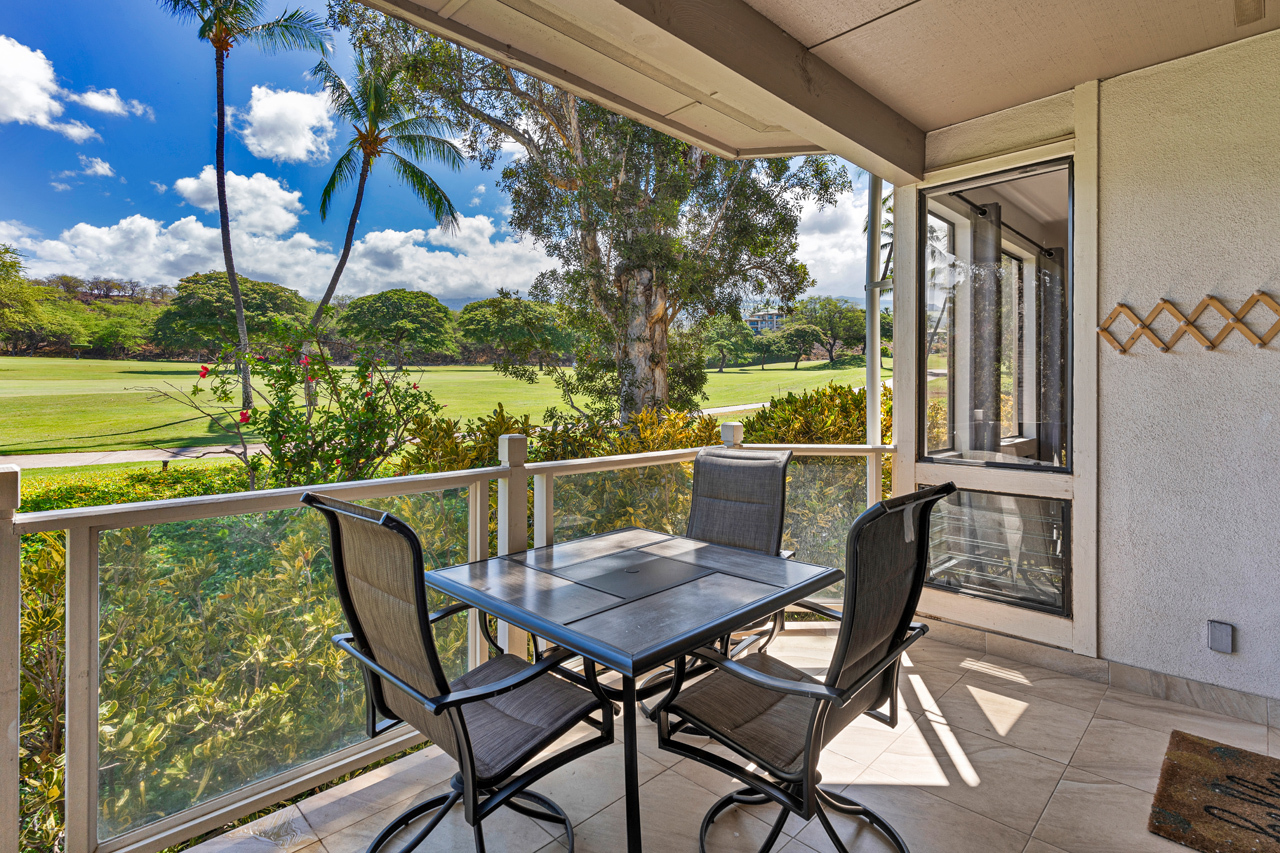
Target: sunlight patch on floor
x: 1002, y: 712
x: 944, y: 734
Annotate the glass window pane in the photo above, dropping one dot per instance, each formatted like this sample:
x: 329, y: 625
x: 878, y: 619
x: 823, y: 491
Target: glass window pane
x: 996, y: 292
x: 1007, y: 547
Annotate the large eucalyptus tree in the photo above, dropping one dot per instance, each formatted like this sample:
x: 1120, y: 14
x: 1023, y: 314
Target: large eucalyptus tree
x: 651, y: 233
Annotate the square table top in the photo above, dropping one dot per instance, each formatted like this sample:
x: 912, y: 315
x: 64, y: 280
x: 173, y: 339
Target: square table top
x: 632, y: 599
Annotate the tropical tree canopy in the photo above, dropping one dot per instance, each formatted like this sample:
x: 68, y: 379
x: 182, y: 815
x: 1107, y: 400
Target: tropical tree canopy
x: 797, y: 340
x: 520, y: 331
x: 728, y: 338
x: 402, y: 319
x: 196, y: 320
x: 838, y: 321
x: 386, y: 121
x: 647, y: 230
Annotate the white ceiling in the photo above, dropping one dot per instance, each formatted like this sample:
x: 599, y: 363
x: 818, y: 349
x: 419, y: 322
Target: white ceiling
x: 939, y: 62
x: 861, y: 78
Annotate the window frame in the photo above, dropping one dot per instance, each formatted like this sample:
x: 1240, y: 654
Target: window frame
x: 923, y: 214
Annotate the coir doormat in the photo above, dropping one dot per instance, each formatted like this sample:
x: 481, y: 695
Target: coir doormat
x: 1217, y: 798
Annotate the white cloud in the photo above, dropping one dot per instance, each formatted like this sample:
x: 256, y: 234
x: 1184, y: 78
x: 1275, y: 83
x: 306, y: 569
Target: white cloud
x: 479, y: 193
x: 160, y: 188
x: 29, y: 90
x: 59, y: 187
x: 258, y: 204
x: 290, y: 127
x: 832, y: 245
x: 109, y: 101
x: 96, y: 167
x: 471, y: 263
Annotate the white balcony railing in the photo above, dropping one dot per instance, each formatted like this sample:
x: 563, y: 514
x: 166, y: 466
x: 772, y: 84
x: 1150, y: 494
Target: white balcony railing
x: 87, y: 831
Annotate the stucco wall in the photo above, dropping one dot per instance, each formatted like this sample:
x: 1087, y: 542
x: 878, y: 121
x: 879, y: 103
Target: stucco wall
x: 1014, y: 129
x: 1189, y: 440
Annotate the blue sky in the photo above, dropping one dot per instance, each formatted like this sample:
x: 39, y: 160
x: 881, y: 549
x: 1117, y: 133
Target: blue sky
x: 107, y: 127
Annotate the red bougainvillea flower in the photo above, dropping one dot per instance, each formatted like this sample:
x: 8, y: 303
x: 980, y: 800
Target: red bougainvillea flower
x: 204, y: 371
x: 415, y: 386
x: 244, y: 417
x: 311, y: 379
x: 262, y: 358
x: 368, y: 393
x: 305, y: 361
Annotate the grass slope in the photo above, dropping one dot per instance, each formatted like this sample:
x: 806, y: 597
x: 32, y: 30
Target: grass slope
x: 52, y: 405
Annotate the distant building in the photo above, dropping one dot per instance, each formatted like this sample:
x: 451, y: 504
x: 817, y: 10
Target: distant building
x: 765, y: 321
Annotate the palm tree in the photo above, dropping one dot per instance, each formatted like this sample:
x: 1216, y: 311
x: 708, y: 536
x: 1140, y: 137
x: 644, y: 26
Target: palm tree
x: 224, y: 24
x: 384, y: 122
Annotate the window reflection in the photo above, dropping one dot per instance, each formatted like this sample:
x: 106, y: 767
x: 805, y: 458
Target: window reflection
x: 996, y: 295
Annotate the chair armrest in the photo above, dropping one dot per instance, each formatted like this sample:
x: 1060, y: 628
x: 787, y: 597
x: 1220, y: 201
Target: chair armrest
x: 916, y: 631
x: 456, y: 607
x: 460, y: 606
x: 815, y: 607
x: 769, y: 682
x: 506, y: 685
x: 787, y: 555
x: 343, y: 641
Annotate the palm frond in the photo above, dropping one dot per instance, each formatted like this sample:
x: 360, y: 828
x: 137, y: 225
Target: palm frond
x: 422, y: 146
x: 295, y: 29
x: 425, y: 188
x: 184, y: 10
x: 341, y: 99
x: 344, y: 172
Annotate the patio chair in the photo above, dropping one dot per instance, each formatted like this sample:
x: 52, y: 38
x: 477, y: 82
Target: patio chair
x: 492, y: 720
x: 779, y: 718
x: 739, y: 500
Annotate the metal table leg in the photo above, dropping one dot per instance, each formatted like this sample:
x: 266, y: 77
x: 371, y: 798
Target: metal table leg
x: 631, y: 764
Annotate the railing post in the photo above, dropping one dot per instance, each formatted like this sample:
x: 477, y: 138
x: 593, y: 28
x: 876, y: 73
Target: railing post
x: 81, y: 789
x: 544, y: 509
x: 875, y: 478
x: 731, y: 434
x: 875, y: 190
x: 477, y: 549
x: 10, y: 655
x: 513, y: 523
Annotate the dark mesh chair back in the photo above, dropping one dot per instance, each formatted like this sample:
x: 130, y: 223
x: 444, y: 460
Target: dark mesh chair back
x: 885, y: 566
x: 379, y: 572
x: 739, y: 498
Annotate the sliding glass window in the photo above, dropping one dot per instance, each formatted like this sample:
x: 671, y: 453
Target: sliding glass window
x: 996, y: 290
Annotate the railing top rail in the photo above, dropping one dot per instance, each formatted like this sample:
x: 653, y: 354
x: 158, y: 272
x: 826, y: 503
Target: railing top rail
x: 613, y: 463
x: 827, y: 449
x: 238, y: 503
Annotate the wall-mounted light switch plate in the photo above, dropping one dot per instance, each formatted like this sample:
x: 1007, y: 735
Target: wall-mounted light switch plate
x: 1222, y: 637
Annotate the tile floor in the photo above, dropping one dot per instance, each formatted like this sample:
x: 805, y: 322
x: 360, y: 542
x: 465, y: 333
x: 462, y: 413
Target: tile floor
x: 990, y: 755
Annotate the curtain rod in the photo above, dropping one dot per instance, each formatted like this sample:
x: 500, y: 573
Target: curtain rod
x: 982, y: 211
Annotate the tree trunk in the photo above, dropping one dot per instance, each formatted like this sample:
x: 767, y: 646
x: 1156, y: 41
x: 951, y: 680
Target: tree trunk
x: 799, y: 354
x: 644, y: 377
x: 365, y: 165
x: 724, y: 356
x: 224, y: 220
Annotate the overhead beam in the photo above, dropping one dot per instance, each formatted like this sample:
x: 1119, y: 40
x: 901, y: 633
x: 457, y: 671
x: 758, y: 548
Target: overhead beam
x: 766, y: 79
x: 512, y: 55
x: 825, y: 106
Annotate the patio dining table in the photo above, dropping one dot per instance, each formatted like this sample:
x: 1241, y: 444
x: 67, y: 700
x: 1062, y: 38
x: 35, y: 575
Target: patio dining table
x: 632, y: 600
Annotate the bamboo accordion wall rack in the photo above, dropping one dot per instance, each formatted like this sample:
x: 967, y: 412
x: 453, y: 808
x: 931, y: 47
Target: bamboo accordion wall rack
x: 1187, y: 323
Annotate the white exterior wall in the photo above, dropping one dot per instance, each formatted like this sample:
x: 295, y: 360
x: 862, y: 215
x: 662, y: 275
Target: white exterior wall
x: 1189, y: 440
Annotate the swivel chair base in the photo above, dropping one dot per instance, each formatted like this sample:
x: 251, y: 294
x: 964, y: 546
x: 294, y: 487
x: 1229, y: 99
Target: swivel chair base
x: 542, y: 809
x: 826, y: 799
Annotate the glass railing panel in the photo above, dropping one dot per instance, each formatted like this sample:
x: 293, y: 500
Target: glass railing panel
x: 824, y: 496
x: 655, y: 497
x: 216, y: 666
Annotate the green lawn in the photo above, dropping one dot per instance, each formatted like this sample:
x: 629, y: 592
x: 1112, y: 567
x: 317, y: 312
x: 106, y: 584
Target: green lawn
x: 51, y: 405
